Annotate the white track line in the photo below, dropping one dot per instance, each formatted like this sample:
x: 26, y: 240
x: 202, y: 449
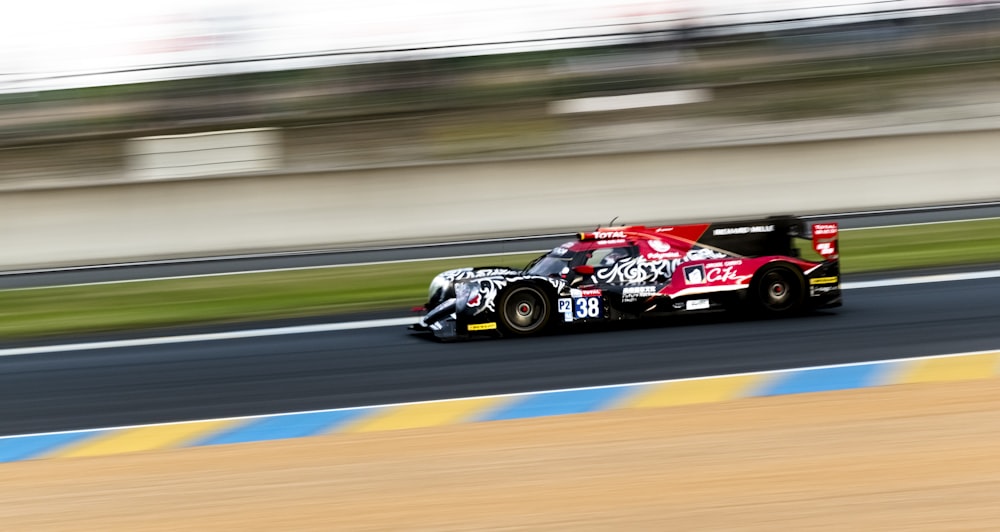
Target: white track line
x: 922, y: 279
x: 207, y: 337
x: 916, y: 224
x: 904, y: 210
x: 398, y: 322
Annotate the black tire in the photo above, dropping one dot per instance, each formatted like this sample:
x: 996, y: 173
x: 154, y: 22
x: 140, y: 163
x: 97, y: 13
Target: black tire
x: 778, y: 290
x: 524, y: 310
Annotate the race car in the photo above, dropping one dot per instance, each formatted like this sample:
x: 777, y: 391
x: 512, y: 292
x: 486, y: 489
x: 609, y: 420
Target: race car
x: 630, y: 272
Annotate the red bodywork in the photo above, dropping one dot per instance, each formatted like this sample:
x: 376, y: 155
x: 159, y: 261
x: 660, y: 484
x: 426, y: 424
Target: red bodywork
x: 733, y: 272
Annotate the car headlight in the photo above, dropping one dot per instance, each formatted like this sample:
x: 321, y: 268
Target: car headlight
x: 439, y: 289
x: 463, y: 290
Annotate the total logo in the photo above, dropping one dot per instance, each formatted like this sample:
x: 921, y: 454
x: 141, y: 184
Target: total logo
x: 590, y: 292
x: 608, y: 235
x: 824, y: 229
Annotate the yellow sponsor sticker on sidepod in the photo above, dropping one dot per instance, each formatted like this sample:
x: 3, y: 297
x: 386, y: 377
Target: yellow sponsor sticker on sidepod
x: 824, y: 280
x: 482, y: 326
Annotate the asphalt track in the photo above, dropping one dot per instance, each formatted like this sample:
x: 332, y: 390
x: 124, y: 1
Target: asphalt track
x: 173, y: 382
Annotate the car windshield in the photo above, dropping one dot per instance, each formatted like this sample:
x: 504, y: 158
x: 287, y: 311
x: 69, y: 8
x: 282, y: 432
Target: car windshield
x: 556, y: 262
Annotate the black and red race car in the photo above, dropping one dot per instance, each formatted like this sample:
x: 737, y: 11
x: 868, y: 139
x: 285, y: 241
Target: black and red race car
x: 628, y: 272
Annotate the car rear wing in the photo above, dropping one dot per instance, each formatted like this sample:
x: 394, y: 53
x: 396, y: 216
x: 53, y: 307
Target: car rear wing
x: 748, y: 238
x: 771, y: 236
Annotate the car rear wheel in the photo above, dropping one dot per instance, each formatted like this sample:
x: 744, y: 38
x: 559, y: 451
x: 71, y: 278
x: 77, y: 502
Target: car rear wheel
x: 779, y: 290
x: 524, y: 310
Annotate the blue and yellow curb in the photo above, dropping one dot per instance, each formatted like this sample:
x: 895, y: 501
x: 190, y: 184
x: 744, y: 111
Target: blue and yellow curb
x: 658, y: 394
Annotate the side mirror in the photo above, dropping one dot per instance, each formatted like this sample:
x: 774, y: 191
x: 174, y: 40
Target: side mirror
x: 584, y: 269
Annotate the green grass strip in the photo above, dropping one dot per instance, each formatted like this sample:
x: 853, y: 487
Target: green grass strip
x: 26, y: 313
x: 920, y: 246
x: 224, y: 298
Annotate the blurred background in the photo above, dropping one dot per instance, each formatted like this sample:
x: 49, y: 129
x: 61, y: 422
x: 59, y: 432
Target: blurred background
x: 348, y: 84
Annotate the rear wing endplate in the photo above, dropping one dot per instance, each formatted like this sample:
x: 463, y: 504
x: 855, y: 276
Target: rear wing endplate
x: 824, y: 238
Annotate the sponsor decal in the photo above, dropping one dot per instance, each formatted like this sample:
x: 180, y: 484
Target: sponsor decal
x: 589, y: 292
x: 747, y: 229
x: 694, y: 274
x: 662, y: 251
x: 603, y: 235
x: 659, y: 246
x: 631, y: 294
x: 824, y: 280
x: 824, y: 230
x: 724, y: 264
x: 700, y: 253
x: 825, y: 248
x: 721, y: 275
x: 825, y: 239
x: 817, y: 290
x: 719, y: 272
x: 672, y: 255
x: 489, y: 326
x: 697, y: 304
x: 639, y: 290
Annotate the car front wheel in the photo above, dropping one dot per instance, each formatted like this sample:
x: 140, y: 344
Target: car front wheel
x: 524, y: 310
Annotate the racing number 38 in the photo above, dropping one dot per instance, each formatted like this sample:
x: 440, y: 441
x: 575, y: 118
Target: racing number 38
x: 580, y: 308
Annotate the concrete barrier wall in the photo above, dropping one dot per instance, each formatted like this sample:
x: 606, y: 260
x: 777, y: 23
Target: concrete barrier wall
x: 203, y: 154
x: 347, y: 208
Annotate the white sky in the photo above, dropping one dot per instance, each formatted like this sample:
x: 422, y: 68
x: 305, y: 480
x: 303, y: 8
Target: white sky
x: 50, y: 37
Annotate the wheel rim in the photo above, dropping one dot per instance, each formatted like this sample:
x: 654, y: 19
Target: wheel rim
x: 524, y: 310
x: 777, y: 291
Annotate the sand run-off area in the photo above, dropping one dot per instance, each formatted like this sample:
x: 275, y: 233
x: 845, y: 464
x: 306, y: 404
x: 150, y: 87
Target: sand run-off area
x: 908, y: 457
